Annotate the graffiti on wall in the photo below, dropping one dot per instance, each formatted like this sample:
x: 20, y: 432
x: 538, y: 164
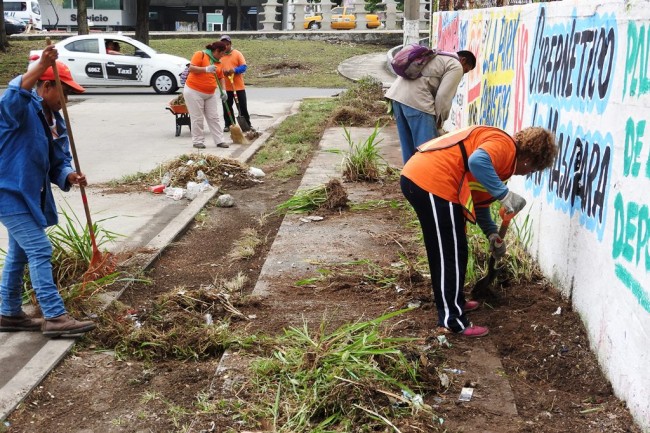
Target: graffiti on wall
x: 497, y: 68
x: 571, y: 71
x: 448, y: 35
x: 561, y: 74
x: 572, y: 63
x: 636, y: 82
x: 579, y: 180
x: 631, y: 234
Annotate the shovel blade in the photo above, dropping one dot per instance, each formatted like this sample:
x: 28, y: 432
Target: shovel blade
x: 482, y: 287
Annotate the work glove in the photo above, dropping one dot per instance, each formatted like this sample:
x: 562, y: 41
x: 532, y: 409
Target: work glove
x: 224, y: 97
x: 497, y: 246
x: 513, y: 202
x: 211, y: 69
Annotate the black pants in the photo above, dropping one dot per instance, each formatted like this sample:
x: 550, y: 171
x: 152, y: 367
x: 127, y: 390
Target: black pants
x: 443, y: 228
x: 243, y: 107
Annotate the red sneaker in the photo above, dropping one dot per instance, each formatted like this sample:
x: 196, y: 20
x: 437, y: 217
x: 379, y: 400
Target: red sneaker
x: 471, y: 306
x: 475, y: 331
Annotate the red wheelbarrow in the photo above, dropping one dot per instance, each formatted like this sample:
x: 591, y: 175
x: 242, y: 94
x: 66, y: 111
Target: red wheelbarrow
x: 181, y: 114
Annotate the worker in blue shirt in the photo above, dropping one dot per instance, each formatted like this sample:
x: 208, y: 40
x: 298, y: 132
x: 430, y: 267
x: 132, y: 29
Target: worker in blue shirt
x: 34, y: 152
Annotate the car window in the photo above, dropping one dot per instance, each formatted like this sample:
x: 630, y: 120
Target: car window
x: 337, y: 11
x: 127, y: 49
x: 15, y: 6
x: 35, y: 8
x: 84, y: 46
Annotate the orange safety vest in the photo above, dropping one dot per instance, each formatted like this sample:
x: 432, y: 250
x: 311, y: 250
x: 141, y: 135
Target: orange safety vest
x: 459, y: 185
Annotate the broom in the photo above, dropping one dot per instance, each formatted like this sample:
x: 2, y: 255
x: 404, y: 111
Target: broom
x: 100, y: 265
x: 236, y: 134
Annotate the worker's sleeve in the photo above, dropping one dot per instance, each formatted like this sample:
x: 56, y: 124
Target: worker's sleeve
x: 446, y: 91
x: 15, y: 105
x: 240, y: 69
x: 480, y: 165
x: 485, y: 221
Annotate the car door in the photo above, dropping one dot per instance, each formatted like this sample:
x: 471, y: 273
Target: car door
x: 123, y: 66
x: 339, y: 18
x: 84, y: 59
x: 346, y: 20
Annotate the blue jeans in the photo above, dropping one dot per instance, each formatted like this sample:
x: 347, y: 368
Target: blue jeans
x: 414, y: 127
x: 28, y: 244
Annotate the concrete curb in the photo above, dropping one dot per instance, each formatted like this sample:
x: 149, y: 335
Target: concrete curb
x: 15, y: 391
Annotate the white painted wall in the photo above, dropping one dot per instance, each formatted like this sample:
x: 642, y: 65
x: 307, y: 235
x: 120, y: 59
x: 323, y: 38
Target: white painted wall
x: 594, y: 243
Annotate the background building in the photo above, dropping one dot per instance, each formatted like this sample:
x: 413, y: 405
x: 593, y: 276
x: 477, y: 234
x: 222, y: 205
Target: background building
x: 164, y: 15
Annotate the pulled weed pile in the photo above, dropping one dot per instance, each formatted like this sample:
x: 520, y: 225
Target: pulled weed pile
x: 192, y: 168
x: 362, y: 105
x: 183, y: 324
x: 363, y: 275
x: 354, y: 379
x: 330, y: 196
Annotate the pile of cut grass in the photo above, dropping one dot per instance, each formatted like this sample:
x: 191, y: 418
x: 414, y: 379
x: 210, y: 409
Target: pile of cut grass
x: 331, y: 196
x: 186, y: 169
x: 182, y: 324
x: 362, y: 105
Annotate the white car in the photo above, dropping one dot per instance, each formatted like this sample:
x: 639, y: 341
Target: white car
x: 100, y: 60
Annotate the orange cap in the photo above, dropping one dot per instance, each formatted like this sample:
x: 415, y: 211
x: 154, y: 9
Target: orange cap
x: 64, y: 75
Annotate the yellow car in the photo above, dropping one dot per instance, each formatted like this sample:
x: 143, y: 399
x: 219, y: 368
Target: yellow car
x: 343, y: 18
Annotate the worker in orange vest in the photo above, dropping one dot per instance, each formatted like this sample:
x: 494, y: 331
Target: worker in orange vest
x: 456, y: 177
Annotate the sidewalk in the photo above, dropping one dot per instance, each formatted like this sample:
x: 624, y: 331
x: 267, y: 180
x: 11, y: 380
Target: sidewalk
x: 127, y: 140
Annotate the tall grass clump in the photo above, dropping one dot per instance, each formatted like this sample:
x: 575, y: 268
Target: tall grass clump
x: 346, y: 380
x: 517, y: 265
x: 363, y: 161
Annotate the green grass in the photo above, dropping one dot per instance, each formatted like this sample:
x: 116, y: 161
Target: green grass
x: 294, y: 140
x: 318, y: 381
x: 271, y: 63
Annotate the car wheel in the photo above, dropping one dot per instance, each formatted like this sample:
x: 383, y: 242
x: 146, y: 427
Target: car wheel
x: 314, y: 25
x: 164, y: 82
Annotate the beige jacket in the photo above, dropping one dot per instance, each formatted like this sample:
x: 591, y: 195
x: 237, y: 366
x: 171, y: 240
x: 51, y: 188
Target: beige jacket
x: 434, y: 91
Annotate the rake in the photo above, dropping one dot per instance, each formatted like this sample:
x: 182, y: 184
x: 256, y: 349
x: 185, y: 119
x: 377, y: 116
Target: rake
x: 100, y: 264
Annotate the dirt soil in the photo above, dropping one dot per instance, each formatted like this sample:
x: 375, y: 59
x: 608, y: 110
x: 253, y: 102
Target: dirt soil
x: 546, y: 373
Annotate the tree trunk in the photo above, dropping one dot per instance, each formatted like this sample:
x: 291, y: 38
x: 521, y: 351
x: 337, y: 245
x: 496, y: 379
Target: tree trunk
x: 4, y: 41
x: 142, y: 21
x: 82, y: 17
x: 239, y: 14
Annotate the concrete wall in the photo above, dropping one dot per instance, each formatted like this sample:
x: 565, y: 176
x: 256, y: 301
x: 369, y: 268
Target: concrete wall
x: 580, y: 68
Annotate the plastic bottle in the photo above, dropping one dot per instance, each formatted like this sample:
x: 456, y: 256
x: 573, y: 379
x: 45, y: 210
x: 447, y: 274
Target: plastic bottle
x: 166, y: 179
